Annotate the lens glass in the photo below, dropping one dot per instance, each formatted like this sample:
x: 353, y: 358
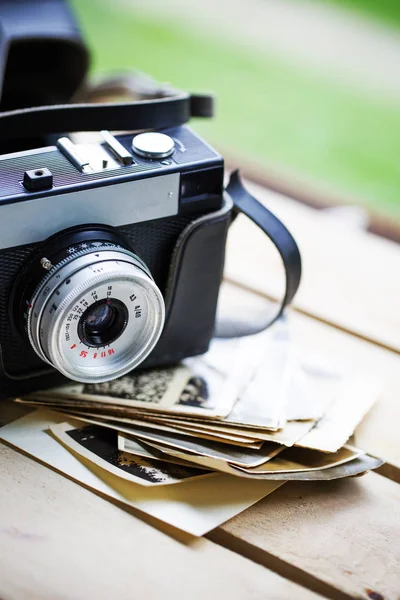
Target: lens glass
x: 100, y: 317
x: 103, y: 322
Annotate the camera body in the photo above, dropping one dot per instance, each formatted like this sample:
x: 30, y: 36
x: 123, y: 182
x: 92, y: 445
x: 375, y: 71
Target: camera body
x: 151, y: 209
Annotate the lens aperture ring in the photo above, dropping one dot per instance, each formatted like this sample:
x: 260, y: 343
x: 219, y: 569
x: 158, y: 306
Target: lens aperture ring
x: 70, y: 289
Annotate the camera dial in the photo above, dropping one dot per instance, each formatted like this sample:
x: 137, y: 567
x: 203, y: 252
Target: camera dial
x: 153, y: 145
x: 97, y: 313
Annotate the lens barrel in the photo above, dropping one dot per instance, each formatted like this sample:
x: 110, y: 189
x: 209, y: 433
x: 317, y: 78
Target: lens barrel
x: 96, y: 312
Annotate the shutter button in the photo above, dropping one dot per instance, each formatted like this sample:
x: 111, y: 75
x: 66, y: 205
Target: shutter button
x: 153, y: 145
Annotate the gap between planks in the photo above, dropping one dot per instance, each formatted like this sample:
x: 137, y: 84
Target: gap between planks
x: 279, y: 566
x: 50, y: 528
x: 347, y: 277
x: 311, y: 315
x: 339, y: 539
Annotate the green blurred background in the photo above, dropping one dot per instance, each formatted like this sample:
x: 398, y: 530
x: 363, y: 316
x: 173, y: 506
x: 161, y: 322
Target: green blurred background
x: 285, y: 116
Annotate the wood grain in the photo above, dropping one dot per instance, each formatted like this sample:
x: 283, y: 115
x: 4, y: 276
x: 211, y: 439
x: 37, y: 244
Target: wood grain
x: 59, y: 541
x: 350, y: 278
x: 340, y: 538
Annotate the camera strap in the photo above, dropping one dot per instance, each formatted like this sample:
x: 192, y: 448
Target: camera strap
x: 285, y: 244
x: 173, y: 108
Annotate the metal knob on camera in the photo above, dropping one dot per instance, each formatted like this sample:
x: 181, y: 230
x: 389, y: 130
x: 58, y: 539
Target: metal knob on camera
x: 153, y: 145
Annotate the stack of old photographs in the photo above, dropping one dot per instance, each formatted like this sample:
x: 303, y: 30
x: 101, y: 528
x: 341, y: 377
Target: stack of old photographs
x: 250, y: 408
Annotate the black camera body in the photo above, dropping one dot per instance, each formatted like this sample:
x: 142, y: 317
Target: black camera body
x: 111, y: 250
x: 159, y: 203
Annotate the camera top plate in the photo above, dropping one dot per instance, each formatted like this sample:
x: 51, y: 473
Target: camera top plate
x: 69, y: 172
x: 94, y: 183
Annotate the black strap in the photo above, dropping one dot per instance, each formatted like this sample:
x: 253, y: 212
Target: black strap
x: 156, y: 113
x: 284, y: 242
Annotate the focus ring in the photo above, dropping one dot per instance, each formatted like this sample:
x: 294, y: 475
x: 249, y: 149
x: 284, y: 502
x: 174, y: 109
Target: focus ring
x: 102, y: 247
x: 61, y: 273
x: 77, y: 283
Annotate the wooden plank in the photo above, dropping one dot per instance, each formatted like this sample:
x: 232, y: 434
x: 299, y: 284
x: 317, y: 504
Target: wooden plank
x: 350, y: 278
x: 60, y: 541
x: 340, y: 538
x: 323, y: 345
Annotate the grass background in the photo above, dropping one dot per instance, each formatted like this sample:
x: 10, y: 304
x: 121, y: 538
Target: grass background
x: 387, y: 11
x: 286, y: 118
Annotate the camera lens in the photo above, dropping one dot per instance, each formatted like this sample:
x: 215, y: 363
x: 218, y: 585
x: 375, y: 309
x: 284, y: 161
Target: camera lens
x: 97, y: 313
x: 103, y: 322
x: 99, y: 317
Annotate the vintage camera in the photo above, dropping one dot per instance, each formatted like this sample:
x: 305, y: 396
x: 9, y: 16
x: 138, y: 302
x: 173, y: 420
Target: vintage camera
x: 111, y: 254
x: 111, y: 249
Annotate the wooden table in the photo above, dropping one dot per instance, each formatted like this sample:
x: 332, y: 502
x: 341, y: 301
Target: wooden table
x: 307, y: 540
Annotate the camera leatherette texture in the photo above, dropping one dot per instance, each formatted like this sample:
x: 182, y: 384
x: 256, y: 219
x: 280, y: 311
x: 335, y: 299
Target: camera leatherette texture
x: 192, y: 289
